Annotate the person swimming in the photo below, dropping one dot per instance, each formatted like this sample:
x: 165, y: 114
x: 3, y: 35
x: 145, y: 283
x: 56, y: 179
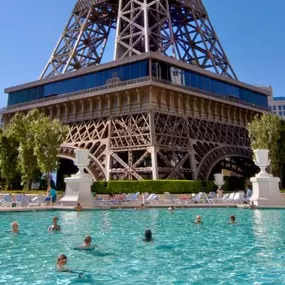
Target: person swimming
x: 78, y: 207
x: 55, y: 226
x: 86, y: 245
x: 148, y: 236
x: 198, y: 220
x: 15, y: 227
x: 141, y: 207
x: 232, y: 219
x: 61, y: 267
x: 61, y: 264
x: 171, y: 209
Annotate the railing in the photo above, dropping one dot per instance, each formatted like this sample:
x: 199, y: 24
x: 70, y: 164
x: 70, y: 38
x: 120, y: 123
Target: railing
x: 70, y: 96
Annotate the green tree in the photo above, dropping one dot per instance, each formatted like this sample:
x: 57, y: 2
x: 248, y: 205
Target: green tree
x: 20, y: 129
x: 39, y: 139
x: 8, y: 158
x: 268, y: 131
x: 48, y: 136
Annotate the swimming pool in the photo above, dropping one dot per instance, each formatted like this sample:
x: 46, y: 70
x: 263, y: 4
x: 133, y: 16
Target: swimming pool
x: 249, y: 252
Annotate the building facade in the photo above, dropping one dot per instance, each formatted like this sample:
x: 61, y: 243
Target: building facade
x: 277, y: 106
x: 168, y: 107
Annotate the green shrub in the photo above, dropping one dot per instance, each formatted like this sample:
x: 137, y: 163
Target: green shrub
x: 153, y: 186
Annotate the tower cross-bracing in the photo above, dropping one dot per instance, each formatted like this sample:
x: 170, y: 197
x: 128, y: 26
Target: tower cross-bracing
x: 179, y: 29
x: 169, y: 105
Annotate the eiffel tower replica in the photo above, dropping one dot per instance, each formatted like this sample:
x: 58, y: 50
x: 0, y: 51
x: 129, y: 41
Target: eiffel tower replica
x: 169, y: 105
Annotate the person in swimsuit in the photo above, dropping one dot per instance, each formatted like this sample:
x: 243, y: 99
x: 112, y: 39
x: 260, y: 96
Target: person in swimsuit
x: 61, y: 264
x: 198, y: 220
x: 15, y: 227
x: 78, y: 207
x: 86, y: 245
x: 148, y: 236
x: 55, y: 226
x: 171, y: 209
x: 232, y: 219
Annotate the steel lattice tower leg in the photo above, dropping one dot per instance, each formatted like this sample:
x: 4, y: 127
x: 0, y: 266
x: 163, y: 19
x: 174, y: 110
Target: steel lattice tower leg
x: 83, y: 40
x: 175, y: 28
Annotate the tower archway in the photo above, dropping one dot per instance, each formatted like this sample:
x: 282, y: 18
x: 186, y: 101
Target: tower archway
x: 235, y: 159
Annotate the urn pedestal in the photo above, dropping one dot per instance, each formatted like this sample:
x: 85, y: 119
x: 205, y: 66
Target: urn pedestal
x: 265, y: 187
x: 78, y: 186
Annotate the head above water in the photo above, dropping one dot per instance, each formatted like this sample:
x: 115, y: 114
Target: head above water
x: 148, y: 235
x: 232, y: 218
x: 55, y: 220
x: 198, y: 218
x: 87, y: 240
x: 62, y: 259
x: 15, y: 226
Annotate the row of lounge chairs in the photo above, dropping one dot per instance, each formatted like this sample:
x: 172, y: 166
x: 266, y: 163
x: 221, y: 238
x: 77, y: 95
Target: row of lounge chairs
x: 137, y: 198
x: 201, y: 197
x: 21, y: 200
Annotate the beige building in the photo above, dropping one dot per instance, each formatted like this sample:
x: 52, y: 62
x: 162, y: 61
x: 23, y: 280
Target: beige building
x: 277, y: 105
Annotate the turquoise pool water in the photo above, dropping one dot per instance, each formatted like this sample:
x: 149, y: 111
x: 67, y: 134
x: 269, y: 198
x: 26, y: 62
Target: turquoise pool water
x: 249, y: 252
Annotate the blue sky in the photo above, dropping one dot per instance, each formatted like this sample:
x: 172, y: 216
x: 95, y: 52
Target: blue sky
x: 252, y: 33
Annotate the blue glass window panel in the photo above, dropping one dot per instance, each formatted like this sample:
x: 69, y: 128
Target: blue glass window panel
x: 283, y: 113
x: 274, y: 107
x: 283, y: 107
x: 207, y: 85
x: 199, y: 82
x: 280, y: 113
x: 194, y: 80
x: 279, y: 107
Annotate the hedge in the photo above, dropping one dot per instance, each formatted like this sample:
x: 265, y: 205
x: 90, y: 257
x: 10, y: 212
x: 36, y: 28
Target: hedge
x: 153, y: 186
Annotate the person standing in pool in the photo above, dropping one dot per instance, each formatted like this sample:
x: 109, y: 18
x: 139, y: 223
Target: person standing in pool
x: 198, y: 220
x: 232, y: 219
x: 87, y: 244
x: 171, y: 209
x: 15, y: 227
x: 61, y: 264
x: 55, y: 227
x: 78, y: 207
x: 61, y: 267
x: 148, y: 236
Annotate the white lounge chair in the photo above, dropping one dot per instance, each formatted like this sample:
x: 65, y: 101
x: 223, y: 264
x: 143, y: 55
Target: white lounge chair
x: 152, y: 198
x: 212, y: 197
x: 239, y: 197
x: 36, y: 201
x: 133, y: 197
x: 223, y: 199
x: 171, y: 198
x: 230, y: 199
x: 200, y: 198
x: 6, y: 200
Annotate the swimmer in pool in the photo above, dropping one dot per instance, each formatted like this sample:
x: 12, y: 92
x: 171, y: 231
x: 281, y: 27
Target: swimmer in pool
x: 171, y: 209
x: 148, y: 236
x: 141, y: 207
x: 61, y: 264
x: 87, y: 244
x: 61, y: 267
x: 15, y: 227
x: 78, y: 207
x: 198, y: 220
x: 54, y: 227
x: 232, y: 219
